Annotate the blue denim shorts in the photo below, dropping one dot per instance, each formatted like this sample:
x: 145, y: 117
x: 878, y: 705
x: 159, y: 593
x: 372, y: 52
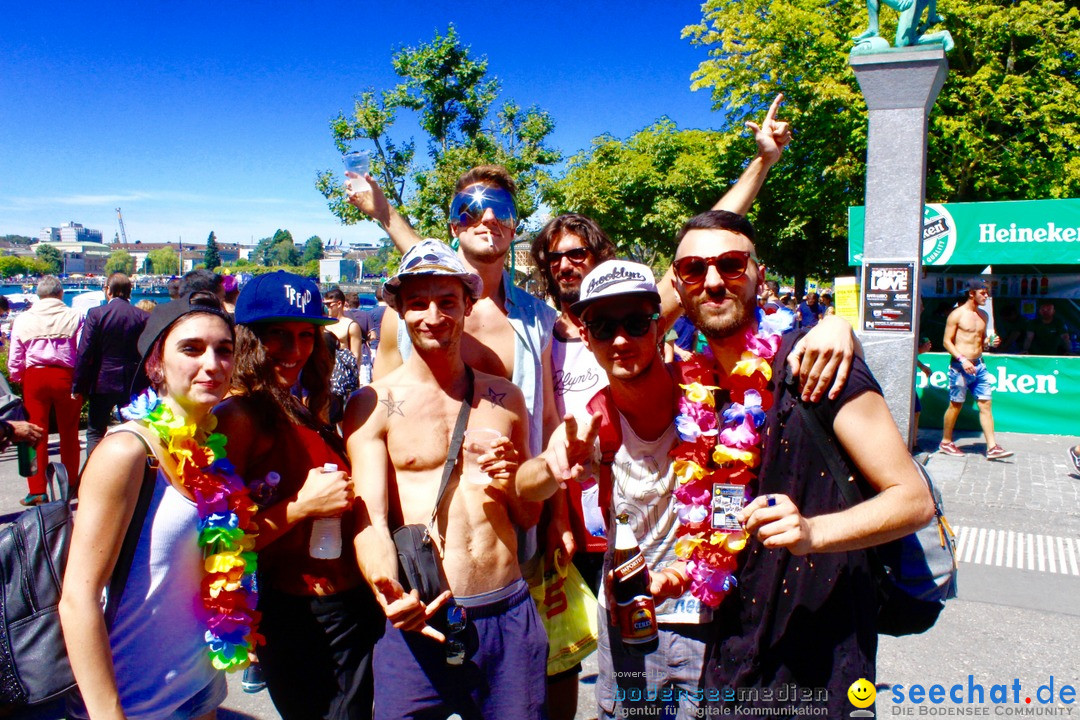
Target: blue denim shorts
x: 960, y: 382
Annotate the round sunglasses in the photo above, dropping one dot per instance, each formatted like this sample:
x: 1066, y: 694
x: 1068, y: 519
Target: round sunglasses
x: 731, y: 265
x: 635, y: 325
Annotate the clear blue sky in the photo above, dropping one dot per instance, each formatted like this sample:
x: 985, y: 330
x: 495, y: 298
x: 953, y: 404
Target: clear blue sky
x: 197, y: 116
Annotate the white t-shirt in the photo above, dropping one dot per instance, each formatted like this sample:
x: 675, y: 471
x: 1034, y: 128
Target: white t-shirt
x: 643, y: 487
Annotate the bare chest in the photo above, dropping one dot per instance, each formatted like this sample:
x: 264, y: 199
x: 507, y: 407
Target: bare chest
x: 488, y: 343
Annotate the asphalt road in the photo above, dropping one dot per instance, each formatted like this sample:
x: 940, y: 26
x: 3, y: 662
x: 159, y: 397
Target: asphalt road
x: 1017, y: 617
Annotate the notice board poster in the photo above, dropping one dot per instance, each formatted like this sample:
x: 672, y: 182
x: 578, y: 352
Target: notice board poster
x: 888, y: 296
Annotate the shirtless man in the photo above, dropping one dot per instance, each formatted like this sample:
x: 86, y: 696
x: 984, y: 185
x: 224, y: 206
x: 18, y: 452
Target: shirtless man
x: 399, y: 430
x: 347, y: 332
x: 965, y: 340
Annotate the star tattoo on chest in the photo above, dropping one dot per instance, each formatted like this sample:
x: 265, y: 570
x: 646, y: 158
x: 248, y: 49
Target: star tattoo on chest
x: 495, y: 398
x: 393, y: 407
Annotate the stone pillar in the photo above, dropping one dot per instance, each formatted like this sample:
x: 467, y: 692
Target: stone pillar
x: 900, y: 86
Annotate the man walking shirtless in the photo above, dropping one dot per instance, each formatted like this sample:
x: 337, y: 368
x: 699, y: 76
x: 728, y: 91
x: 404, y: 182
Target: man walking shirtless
x: 965, y: 340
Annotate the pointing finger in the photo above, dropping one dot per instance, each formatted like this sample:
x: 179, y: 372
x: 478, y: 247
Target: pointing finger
x: 771, y: 115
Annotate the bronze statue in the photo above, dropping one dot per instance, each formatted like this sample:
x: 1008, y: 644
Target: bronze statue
x: 910, y: 27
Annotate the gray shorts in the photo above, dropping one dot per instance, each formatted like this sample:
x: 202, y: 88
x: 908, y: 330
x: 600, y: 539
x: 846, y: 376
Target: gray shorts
x: 668, y: 681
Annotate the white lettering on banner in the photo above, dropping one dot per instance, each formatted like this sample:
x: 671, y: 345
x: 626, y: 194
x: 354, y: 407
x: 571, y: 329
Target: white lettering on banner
x: 1004, y: 382
x: 990, y: 232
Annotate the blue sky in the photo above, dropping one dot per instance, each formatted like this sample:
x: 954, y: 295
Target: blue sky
x: 199, y: 116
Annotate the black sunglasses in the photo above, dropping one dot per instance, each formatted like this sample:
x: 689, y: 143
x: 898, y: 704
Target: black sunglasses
x: 636, y: 325
x: 577, y: 256
x: 456, y: 622
x: 731, y: 266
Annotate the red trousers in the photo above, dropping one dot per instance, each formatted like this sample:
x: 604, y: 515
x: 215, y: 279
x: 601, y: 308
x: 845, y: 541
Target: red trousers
x: 46, y: 388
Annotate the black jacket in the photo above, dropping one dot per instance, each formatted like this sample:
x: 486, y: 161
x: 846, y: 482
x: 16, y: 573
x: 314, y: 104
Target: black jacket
x: 108, y: 357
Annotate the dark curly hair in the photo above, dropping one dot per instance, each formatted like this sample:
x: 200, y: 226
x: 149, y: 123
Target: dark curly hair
x: 253, y: 377
x: 585, y: 228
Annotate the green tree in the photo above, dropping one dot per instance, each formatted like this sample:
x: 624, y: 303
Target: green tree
x: 313, y: 249
x: 452, y: 94
x: 163, y: 261
x: 259, y: 254
x: 211, y: 258
x: 50, y: 256
x: 120, y: 261
x: 384, y: 261
x: 1004, y: 126
x: 282, y: 250
x: 641, y: 191
x: 12, y: 265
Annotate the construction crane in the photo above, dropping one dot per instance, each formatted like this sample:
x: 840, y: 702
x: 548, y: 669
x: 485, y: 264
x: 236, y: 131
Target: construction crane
x: 123, y: 232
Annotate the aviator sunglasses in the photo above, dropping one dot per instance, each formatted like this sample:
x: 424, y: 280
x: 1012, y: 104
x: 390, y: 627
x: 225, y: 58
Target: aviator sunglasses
x: 731, y: 266
x: 468, y: 206
x: 636, y: 325
x: 456, y: 622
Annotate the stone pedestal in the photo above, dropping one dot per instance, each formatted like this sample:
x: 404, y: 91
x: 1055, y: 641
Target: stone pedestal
x: 900, y: 86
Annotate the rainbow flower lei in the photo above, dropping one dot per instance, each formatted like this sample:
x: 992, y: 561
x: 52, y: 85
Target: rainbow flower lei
x: 226, y: 529
x: 720, y: 446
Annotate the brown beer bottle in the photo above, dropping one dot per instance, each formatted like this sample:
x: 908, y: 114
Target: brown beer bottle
x: 634, y: 607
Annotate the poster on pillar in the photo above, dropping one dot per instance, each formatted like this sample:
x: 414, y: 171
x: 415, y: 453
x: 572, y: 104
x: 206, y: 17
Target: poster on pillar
x: 1032, y: 394
x: 888, y: 296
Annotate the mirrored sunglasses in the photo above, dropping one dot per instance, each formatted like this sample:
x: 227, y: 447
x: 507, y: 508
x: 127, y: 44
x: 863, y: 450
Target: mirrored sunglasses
x: 456, y: 622
x: 605, y: 328
x: 692, y: 269
x: 468, y: 206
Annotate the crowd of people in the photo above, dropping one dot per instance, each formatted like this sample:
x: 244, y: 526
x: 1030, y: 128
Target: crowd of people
x: 234, y: 415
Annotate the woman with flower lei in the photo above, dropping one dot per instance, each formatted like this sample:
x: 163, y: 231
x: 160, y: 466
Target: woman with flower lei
x: 718, y: 425
x: 319, y: 617
x: 188, y: 609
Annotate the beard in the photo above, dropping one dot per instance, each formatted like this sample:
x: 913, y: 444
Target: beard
x: 568, y: 288
x: 733, y: 319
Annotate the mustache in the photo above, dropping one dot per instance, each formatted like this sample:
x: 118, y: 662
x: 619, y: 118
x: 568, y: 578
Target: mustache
x: 716, y: 294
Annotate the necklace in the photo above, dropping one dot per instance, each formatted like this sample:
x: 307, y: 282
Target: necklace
x: 226, y: 529
x: 719, y: 453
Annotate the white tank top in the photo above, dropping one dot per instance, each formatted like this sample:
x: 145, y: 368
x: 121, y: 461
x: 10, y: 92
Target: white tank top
x: 577, y: 376
x: 157, y: 642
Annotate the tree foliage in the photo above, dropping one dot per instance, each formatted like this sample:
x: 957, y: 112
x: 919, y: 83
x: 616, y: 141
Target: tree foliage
x: 385, y: 260
x: 211, y: 257
x: 50, y: 257
x: 1004, y: 126
x: 313, y: 249
x: 163, y: 261
x: 120, y: 261
x: 641, y: 191
x: 12, y: 265
x: 452, y: 94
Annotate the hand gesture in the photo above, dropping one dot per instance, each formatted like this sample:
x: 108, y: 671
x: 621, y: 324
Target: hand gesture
x: 404, y: 609
x: 22, y: 431
x: 777, y: 523
x: 773, y: 135
x: 570, y: 448
x: 325, y: 494
x: 822, y: 357
x: 559, y: 545
x: 671, y: 582
x: 501, y: 461
x: 372, y: 203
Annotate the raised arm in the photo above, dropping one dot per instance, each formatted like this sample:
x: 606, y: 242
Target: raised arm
x: 375, y: 206
x: 107, y: 495
x: 388, y: 357
x: 772, y: 136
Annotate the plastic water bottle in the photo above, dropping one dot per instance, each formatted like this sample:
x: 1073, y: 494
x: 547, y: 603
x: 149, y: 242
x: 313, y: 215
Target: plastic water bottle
x: 326, y: 532
x: 262, y: 491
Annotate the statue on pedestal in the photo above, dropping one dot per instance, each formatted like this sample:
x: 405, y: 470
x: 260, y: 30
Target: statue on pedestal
x: 911, y: 29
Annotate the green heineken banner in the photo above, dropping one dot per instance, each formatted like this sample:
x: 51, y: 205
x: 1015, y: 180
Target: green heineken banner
x: 1044, y: 232
x: 1032, y: 394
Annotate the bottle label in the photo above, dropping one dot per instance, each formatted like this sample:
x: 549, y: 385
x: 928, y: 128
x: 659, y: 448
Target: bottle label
x: 629, y: 568
x: 637, y: 620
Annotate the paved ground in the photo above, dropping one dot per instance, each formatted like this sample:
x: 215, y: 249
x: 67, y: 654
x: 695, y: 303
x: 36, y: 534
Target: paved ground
x: 1017, y: 616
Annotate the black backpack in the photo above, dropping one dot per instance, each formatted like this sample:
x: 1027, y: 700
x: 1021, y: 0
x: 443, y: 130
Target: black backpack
x: 34, y: 667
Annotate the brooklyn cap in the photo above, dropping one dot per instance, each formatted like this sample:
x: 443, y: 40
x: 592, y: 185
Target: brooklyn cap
x: 613, y: 278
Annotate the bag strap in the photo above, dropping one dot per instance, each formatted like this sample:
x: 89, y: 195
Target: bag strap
x: 131, y: 538
x: 455, y: 442
x: 836, y: 464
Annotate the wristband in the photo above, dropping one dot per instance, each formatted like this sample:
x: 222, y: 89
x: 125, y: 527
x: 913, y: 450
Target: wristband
x: 680, y: 577
x: 960, y: 359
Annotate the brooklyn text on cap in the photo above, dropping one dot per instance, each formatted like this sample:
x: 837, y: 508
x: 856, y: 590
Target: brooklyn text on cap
x: 281, y: 297
x: 614, y: 278
x: 430, y: 257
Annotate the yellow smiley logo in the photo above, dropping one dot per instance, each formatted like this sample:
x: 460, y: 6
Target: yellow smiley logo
x: 862, y: 693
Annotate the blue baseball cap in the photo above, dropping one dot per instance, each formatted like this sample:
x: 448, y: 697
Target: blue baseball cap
x: 281, y: 297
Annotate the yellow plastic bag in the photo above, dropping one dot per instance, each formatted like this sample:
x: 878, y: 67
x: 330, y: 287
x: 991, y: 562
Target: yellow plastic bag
x: 568, y: 610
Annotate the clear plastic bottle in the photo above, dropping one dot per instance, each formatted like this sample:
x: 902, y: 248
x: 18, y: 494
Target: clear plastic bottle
x: 262, y: 492
x: 326, y: 532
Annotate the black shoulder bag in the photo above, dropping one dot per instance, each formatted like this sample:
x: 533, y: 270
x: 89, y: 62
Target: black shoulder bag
x: 34, y: 666
x: 418, y: 563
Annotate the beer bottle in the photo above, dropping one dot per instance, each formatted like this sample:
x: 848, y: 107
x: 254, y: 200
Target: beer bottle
x: 634, y: 607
